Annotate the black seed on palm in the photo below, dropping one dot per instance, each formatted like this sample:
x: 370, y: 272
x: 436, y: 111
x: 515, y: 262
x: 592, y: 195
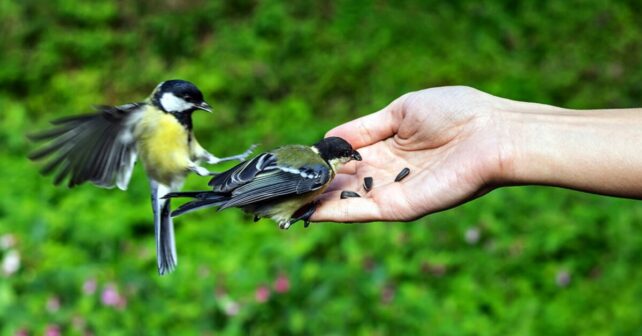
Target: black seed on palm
x: 367, y: 183
x: 402, y: 174
x: 349, y: 194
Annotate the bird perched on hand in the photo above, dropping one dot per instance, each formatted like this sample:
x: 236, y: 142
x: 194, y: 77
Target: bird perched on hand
x: 102, y: 148
x: 281, y: 184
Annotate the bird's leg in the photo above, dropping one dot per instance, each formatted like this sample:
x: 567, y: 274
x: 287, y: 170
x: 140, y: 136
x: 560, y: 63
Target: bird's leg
x: 201, y: 171
x: 307, y: 210
x: 212, y: 159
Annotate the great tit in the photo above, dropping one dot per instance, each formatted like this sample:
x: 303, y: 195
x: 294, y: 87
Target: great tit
x: 102, y: 148
x: 281, y: 184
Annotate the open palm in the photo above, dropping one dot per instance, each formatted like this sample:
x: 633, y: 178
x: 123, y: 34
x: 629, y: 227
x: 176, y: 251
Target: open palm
x: 446, y: 137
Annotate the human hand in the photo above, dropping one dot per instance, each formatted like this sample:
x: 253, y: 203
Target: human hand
x: 450, y: 139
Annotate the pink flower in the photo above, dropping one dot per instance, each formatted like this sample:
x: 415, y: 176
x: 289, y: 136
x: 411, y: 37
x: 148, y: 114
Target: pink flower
x: 53, y: 304
x: 52, y: 330
x: 111, y: 297
x: 89, y: 286
x: 282, y: 284
x: 22, y: 332
x: 262, y: 294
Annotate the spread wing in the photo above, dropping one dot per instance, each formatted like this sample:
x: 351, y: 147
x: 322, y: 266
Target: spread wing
x: 97, y: 147
x: 262, y: 179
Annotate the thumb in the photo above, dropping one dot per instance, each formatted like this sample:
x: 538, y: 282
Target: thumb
x: 372, y: 128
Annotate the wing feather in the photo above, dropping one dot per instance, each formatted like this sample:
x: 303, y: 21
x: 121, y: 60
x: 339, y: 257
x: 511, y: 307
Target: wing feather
x: 271, y: 184
x: 95, y: 147
x: 242, y: 173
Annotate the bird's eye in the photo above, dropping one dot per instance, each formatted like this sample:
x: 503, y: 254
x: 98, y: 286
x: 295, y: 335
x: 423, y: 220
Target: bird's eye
x: 187, y: 97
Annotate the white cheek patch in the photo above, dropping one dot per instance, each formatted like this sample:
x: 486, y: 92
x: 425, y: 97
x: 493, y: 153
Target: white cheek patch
x: 338, y: 162
x: 171, y: 103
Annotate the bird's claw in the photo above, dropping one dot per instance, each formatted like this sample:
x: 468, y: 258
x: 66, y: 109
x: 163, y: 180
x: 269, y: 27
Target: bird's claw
x: 285, y: 225
x: 201, y: 171
x: 243, y: 156
x: 308, y: 211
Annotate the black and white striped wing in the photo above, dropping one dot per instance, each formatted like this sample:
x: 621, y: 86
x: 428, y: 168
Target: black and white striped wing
x: 276, y: 182
x: 243, y: 173
x: 98, y: 147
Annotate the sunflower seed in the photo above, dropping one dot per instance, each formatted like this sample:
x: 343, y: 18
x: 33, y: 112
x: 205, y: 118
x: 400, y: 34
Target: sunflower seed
x: 367, y: 183
x: 402, y: 174
x: 348, y: 194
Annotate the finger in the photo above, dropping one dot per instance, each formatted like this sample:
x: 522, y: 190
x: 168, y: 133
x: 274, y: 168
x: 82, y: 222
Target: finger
x: 334, y: 209
x: 349, y: 168
x: 371, y: 128
x: 343, y: 182
x: 370, y: 154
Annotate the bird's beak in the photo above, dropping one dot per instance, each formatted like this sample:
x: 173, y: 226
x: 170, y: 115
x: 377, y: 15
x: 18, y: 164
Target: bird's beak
x: 356, y: 156
x: 204, y: 106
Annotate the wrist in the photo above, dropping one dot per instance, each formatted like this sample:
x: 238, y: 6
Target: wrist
x: 589, y: 150
x: 529, y: 137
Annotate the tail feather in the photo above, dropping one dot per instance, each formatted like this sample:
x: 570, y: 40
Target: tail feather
x: 168, y: 259
x: 192, y: 194
x: 166, y: 256
x: 202, y: 200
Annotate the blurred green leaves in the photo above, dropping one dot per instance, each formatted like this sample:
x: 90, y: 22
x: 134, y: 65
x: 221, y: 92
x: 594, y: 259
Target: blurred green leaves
x: 281, y: 73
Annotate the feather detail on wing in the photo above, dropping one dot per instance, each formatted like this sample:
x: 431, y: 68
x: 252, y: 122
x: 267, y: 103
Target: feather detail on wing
x: 275, y: 181
x: 95, y: 147
x: 243, y: 173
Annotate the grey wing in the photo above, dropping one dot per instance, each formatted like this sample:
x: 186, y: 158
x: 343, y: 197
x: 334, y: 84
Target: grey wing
x: 243, y: 173
x: 97, y: 147
x: 279, y: 182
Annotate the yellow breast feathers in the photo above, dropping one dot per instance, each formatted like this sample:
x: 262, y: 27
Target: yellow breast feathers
x: 163, y: 145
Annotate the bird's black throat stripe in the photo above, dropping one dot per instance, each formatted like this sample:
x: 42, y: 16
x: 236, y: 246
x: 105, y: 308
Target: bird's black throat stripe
x: 184, y: 118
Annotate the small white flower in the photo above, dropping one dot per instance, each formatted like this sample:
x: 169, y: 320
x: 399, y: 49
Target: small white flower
x: 563, y: 278
x: 472, y: 235
x: 11, y: 262
x: 231, y: 308
x: 7, y: 241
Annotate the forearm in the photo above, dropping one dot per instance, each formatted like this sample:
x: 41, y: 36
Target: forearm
x: 598, y: 151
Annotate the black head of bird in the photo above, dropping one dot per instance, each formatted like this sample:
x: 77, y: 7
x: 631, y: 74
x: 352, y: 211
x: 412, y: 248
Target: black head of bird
x: 179, y: 96
x: 335, y: 150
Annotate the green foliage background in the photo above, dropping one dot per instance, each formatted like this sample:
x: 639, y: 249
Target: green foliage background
x: 282, y: 73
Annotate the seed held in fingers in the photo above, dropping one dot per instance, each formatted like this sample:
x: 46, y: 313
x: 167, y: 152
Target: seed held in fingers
x: 402, y: 174
x: 348, y: 194
x: 367, y: 183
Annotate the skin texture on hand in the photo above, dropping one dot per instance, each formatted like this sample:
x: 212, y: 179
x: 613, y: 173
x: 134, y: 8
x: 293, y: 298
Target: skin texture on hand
x: 460, y: 143
x: 446, y: 136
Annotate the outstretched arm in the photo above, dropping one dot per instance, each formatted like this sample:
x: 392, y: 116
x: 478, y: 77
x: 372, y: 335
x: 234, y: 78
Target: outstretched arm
x: 460, y: 143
